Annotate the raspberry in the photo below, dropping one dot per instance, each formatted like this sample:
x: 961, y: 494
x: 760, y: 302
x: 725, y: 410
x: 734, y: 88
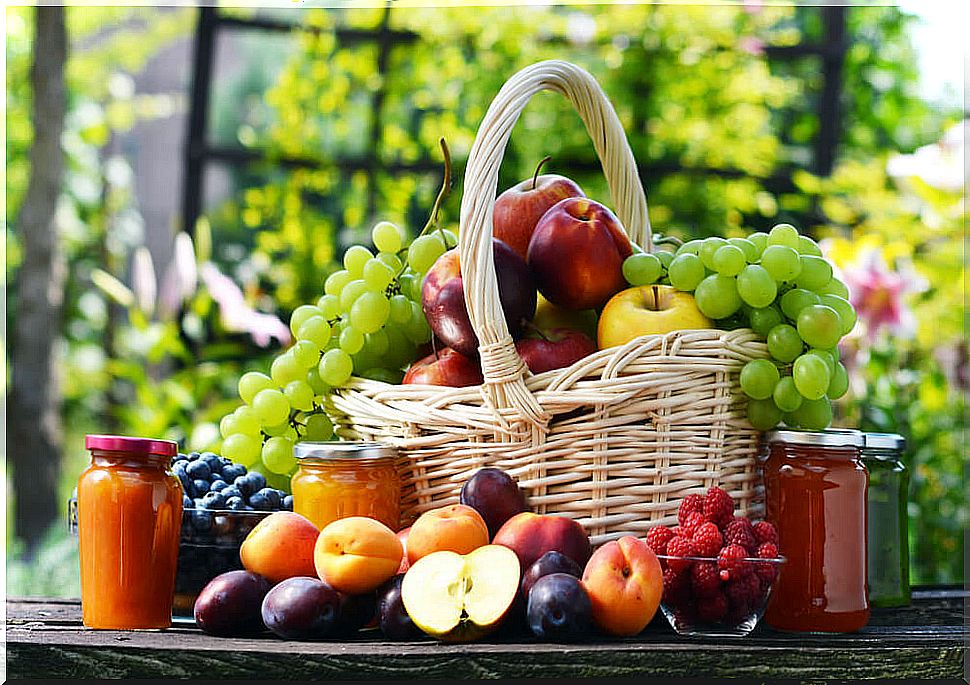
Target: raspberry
x: 768, y: 550
x: 704, y: 578
x: 765, y: 532
x: 744, y: 592
x: 693, y: 522
x: 707, y: 540
x: 730, y: 562
x: 741, y: 532
x: 689, y: 505
x: 712, y: 609
x: 684, y: 617
x: 658, y: 537
x: 767, y: 572
x: 679, y: 547
x: 718, y: 506
x: 676, y: 588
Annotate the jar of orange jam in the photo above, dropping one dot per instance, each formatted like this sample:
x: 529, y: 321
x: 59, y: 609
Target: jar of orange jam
x: 815, y: 495
x: 129, y: 506
x: 335, y: 480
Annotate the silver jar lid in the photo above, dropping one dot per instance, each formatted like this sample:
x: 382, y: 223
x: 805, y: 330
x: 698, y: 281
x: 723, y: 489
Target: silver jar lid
x: 833, y: 437
x: 343, y: 450
x: 885, y: 441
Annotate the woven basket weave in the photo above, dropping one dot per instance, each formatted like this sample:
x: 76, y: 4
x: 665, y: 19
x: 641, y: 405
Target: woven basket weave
x: 614, y: 441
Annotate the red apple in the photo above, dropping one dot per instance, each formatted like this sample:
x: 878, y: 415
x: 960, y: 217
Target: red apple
x: 576, y: 254
x: 445, y: 368
x: 554, y: 349
x: 443, y: 300
x: 518, y: 209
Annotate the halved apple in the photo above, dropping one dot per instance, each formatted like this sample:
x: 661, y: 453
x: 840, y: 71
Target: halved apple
x: 460, y: 598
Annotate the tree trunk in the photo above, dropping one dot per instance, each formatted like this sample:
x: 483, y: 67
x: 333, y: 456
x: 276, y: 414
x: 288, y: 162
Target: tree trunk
x: 33, y: 412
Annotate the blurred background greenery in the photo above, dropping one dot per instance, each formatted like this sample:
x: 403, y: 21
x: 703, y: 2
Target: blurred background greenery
x: 334, y: 125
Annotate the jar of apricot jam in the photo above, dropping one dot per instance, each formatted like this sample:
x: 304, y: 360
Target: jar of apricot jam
x: 129, y: 507
x: 335, y: 480
x: 815, y: 495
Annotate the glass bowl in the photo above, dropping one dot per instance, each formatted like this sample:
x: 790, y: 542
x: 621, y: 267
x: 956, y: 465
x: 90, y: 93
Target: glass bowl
x: 707, y: 598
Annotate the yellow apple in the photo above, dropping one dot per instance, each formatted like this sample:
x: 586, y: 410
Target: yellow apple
x: 549, y: 316
x: 647, y: 310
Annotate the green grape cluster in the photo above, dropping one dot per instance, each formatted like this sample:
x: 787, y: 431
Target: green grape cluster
x: 779, y: 285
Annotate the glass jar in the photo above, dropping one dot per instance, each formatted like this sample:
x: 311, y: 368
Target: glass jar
x: 335, y: 480
x: 129, y: 507
x: 815, y: 495
x: 888, y: 520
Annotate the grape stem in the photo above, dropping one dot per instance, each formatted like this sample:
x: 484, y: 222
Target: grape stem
x: 535, y: 176
x: 442, y: 194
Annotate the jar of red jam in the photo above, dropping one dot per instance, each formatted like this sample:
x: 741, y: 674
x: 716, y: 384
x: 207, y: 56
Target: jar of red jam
x: 815, y: 495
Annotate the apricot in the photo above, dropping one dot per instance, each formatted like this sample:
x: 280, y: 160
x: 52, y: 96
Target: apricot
x: 280, y: 547
x: 624, y: 581
x: 455, y: 528
x: 357, y: 554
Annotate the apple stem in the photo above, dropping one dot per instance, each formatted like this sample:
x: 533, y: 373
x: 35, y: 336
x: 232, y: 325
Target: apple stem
x: 535, y: 176
x: 656, y: 299
x: 529, y: 326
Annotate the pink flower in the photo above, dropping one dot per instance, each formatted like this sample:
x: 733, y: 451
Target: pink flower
x: 878, y: 294
x: 752, y: 45
x: 237, y: 316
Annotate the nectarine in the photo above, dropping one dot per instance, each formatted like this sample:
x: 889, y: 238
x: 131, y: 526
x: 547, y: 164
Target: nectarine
x: 625, y: 582
x: 531, y: 535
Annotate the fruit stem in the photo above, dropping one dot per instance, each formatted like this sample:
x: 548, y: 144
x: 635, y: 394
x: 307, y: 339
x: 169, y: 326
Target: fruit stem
x: 535, y: 176
x: 443, y: 193
x: 529, y: 326
x: 656, y: 299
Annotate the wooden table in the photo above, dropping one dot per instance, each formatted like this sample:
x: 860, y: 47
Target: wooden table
x: 45, y: 639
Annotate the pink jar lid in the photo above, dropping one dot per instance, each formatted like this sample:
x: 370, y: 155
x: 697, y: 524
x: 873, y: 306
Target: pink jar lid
x: 124, y: 443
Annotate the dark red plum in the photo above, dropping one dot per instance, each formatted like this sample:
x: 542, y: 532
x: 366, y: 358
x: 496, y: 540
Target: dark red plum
x: 395, y: 622
x: 302, y: 608
x: 495, y: 495
x: 548, y: 563
x: 558, y: 609
x: 356, y: 612
x: 229, y: 605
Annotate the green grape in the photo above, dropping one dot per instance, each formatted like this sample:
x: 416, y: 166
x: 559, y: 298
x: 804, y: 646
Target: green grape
x: 711, y: 245
x: 329, y: 305
x: 834, y: 287
x: 417, y: 329
x: 843, y: 308
x: 363, y: 361
x: 814, y: 414
x: 335, y: 367
x: 278, y: 455
x: 781, y: 262
x: 316, y: 383
x: 763, y: 319
x: 305, y: 353
x: 839, y: 383
x: 451, y: 238
x: 763, y: 414
x: 336, y: 282
x: 391, y: 376
x: 795, y: 300
x: 301, y: 314
x: 400, y: 350
x: 285, y: 368
x: 758, y: 379
x: 318, y: 428
x: 759, y: 240
x: 811, y: 376
x: 351, y: 340
x: 690, y: 247
x: 825, y: 356
x: 808, y: 246
x: 784, y: 234
x: 242, y: 449
x: 417, y: 287
x: 729, y: 260
x: 717, y: 296
x: 424, y: 252
x: 246, y: 420
x: 751, y: 253
x: 784, y: 343
x: 277, y: 430
x: 300, y: 395
x: 392, y: 260
x: 315, y: 330
x: 355, y: 258
x: 377, y: 275
x: 642, y: 269
x: 227, y: 425
x: 400, y: 309
x: 251, y: 383
x: 815, y: 273
x: 786, y: 395
x: 376, y: 343
x: 271, y: 407
x: 756, y: 286
x: 369, y: 312
x: 405, y: 282
x: 665, y: 258
x: 820, y: 326
x: 686, y: 272
x: 350, y: 293
x: 387, y: 237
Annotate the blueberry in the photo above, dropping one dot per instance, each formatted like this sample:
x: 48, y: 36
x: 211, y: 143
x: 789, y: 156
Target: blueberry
x: 236, y: 504
x: 218, y: 485
x: 186, y: 502
x: 180, y: 457
x: 202, y: 521
x: 193, y: 456
x: 214, y: 500
x: 198, y: 470
x: 257, y: 479
x: 272, y: 495
x: 212, y: 461
x: 231, y: 491
x: 244, y: 485
x: 260, y: 501
x: 188, y: 488
x: 201, y: 487
x: 225, y: 461
x: 288, y: 503
x: 232, y: 472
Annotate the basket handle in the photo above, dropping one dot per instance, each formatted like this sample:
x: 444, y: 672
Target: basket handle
x: 501, y: 366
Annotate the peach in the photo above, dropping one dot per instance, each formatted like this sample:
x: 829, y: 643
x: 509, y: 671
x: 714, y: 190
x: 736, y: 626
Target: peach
x: 455, y: 528
x: 357, y: 554
x: 402, y: 535
x: 531, y: 535
x: 280, y: 547
x: 624, y: 582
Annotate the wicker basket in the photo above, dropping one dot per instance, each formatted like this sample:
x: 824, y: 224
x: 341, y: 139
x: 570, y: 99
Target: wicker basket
x: 614, y: 441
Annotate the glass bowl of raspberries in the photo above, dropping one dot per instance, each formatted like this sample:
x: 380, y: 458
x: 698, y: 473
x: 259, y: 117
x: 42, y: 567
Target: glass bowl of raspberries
x: 718, y: 568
